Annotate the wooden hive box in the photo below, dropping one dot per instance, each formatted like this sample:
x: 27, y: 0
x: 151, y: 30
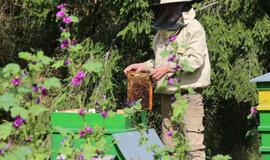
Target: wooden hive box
x: 140, y: 87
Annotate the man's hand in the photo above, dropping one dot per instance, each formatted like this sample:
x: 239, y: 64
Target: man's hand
x: 159, y: 72
x: 137, y: 67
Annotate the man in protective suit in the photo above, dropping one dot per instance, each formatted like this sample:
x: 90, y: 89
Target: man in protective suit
x: 177, y: 18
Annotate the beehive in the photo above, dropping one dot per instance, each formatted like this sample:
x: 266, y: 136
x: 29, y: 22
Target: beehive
x: 263, y: 87
x: 140, y: 87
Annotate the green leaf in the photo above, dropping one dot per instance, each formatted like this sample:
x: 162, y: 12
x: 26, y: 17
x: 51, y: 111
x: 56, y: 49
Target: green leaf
x: 76, y: 48
x: 179, y: 107
x: 74, y: 19
x: 5, y: 130
x: 58, y: 64
x: 165, y: 53
x: 93, y: 67
x: 19, y: 111
x: 65, y: 35
x: 44, y: 59
x: 36, y: 110
x: 11, y: 68
x: 18, y: 153
x: 186, y: 67
x: 52, y: 83
x: 8, y: 100
x: 25, y: 55
x: 24, y: 90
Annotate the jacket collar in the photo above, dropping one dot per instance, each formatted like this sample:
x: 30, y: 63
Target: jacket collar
x: 189, y: 16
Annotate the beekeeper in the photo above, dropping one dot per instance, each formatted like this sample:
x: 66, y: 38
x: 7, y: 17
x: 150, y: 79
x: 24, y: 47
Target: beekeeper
x: 175, y: 21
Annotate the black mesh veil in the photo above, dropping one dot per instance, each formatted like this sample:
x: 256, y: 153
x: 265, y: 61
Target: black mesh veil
x: 169, y: 16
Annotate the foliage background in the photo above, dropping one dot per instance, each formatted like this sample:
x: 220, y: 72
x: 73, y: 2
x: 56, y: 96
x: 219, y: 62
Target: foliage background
x: 238, y: 39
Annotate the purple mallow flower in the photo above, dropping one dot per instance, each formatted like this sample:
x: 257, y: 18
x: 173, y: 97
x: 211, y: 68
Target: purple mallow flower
x: 169, y: 133
x: 16, y: 82
x: 77, y: 80
x: 171, y: 81
x: 18, y: 122
x: 35, y: 88
x: 253, y: 110
x: 81, y: 157
x: 89, y: 130
x: 67, y: 20
x: 61, y: 6
x: 74, y: 42
x: 104, y: 114
x: 172, y: 38
x: 44, y: 91
x: 177, y: 67
x: 171, y: 58
x: 60, y: 14
x: 82, y: 134
x: 82, y: 112
x: 64, y: 44
x: 66, y: 62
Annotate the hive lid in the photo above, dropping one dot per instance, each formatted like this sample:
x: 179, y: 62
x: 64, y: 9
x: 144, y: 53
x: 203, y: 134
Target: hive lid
x: 128, y: 144
x: 263, y: 78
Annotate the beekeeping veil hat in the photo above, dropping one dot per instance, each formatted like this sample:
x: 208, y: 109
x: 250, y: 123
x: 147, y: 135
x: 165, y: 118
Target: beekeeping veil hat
x: 168, y: 13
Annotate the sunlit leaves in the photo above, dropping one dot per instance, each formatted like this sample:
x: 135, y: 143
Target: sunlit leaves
x: 8, y: 100
x: 5, y: 130
x: 93, y: 67
x: 52, y: 82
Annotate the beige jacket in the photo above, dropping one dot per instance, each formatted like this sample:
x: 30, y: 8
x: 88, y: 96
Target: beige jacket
x: 192, y: 40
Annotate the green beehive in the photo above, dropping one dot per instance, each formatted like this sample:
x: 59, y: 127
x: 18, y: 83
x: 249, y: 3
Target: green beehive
x: 263, y: 87
x: 73, y: 122
x: 265, y: 153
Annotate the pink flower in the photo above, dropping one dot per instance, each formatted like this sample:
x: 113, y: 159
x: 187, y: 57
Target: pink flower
x: 89, y: 130
x: 16, y: 82
x: 61, y: 6
x: 104, y: 114
x: 67, y: 20
x: 169, y: 133
x: 253, y: 110
x: 81, y: 75
x: 60, y: 14
x: 77, y: 80
x: 82, y: 111
x: 82, y: 134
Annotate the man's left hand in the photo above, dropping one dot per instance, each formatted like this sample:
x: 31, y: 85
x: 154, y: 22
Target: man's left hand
x: 159, y: 72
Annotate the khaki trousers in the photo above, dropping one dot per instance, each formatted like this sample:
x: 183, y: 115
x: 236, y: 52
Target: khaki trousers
x: 193, y: 124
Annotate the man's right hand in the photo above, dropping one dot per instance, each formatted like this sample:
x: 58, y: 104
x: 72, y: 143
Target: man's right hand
x: 137, y: 67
